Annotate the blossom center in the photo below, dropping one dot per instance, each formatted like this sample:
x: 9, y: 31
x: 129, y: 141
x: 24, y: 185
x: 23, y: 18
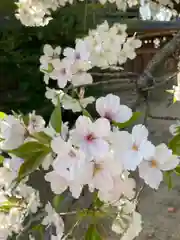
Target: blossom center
x: 108, y: 116
x: 63, y: 71
x: 153, y: 163
x: 97, y: 168
x: 77, y: 56
x: 72, y: 154
x: 90, y: 137
x: 135, y: 147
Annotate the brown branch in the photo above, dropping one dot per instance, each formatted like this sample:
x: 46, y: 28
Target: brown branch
x: 147, y: 78
x: 169, y: 118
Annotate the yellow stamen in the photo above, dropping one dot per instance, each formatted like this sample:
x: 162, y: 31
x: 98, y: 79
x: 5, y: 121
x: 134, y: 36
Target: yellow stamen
x: 134, y: 147
x: 153, y: 163
x: 97, y: 168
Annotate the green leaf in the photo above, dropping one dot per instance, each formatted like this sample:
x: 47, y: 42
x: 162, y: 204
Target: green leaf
x: 174, y: 145
x: 2, y: 115
x: 57, y: 200
x: 42, y: 137
x: 56, y: 118
x: 168, y: 179
x: 86, y: 113
x: 31, y: 164
x: 134, y: 118
x: 174, y: 100
x: 92, y: 233
x: 1, y: 159
x: 7, y: 205
x: 177, y: 170
x: 170, y: 91
x: 25, y: 119
x: 30, y: 149
x: 33, y: 154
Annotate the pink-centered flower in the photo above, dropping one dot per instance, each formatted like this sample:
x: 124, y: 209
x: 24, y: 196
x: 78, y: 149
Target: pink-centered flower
x: 109, y: 107
x: 90, y: 136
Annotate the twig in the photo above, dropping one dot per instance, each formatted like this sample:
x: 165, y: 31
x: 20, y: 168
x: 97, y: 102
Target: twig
x: 160, y: 81
x: 114, y: 74
x: 147, y: 77
x: 28, y: 225
x: 72, y: 229
x: 164, y: 117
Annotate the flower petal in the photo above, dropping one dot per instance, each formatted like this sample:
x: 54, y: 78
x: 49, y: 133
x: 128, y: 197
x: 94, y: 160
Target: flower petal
x: 101, y: 127
x: 151, y: 176
x: 147, y: 150
x: 140, y: 133
x: 170, y: 164
x: 124, y: 114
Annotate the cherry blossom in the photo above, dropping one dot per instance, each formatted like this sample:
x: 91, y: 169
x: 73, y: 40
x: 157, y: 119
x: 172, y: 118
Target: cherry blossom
x: 12, y: 131
x: 36, y: 123
x: 103, y: 171
x: 90, y: 136
x: 151, y: 169
x: 122, y: 186
x: 53, y: 218
x: 131, y: 149
x: 109, y: 107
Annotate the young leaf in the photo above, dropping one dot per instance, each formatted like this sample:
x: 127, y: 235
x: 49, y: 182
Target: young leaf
x: 25, y: 119
x: 31, y: 164
x: 2, y: 115
x: 177, y: 170
x: 92, y: 233
x: 29, y: 149
x: 86, y: 113
x: 57, y: 200
x: 174, y: 144
x: 134, y: 118
x: 56, y: 118
x: 1, y: 159
x: 168, y: 179
x: 42, y: 137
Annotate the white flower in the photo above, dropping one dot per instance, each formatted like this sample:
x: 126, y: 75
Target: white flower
x: 75, y: 159
x: 6, y: 177
x: 130, y: 45
x: 12, y: 131
x: 61, y: 72
x: 131, y: 149
x: 33, y: 202
x: 151, y: 169
x: 134, y: 228
x: 53, y: 218
x: 36, y: 123
x: 109, y: 107
x: 122, y: 185
x: 58, y: 183
x: 50, y: 56
x: 103, y: 170
x: 174, y: 127
x: 53, y: 95
x: 79, y: 56
x: 128, y: 222
x: 89, y: 136
x: 13, y: 163
x: 81, y: 78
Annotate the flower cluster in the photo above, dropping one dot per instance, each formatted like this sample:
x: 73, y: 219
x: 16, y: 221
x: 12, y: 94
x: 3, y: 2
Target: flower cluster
x: 93, y: 153
x: 38, y: 12
x: 95, y: 50
x: 15, y: 205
